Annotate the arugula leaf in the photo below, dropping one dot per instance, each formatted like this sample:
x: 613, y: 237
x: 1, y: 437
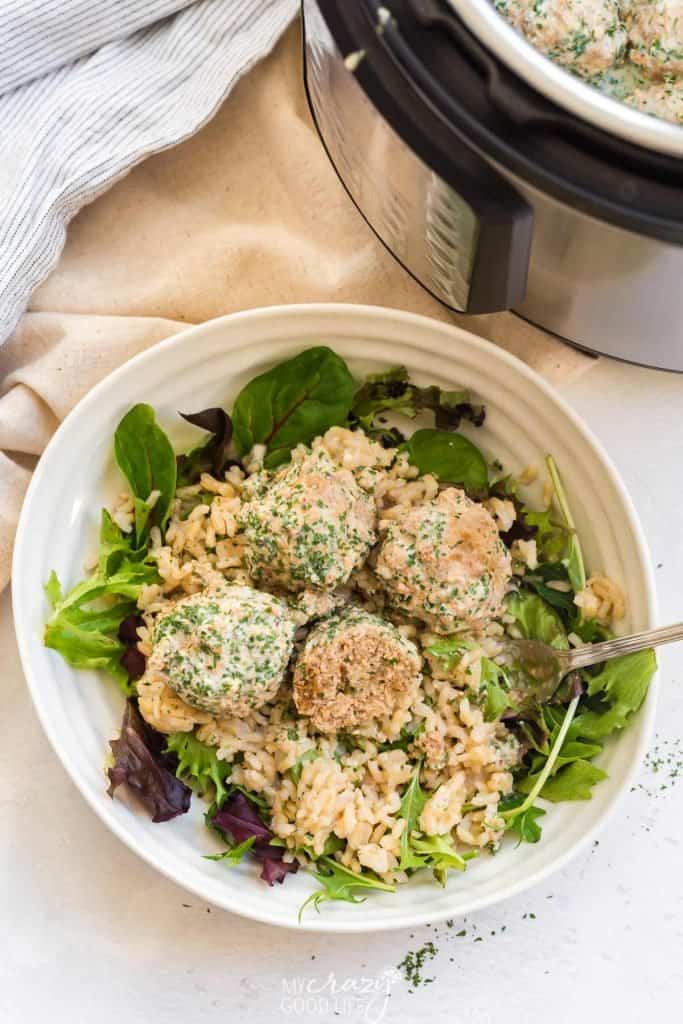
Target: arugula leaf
x: 406, y: 737
x: 338, y: 883
x: 621, y: 686
x: 449, y: 457
x: 234, y: 854
x: 211, y: 454
x: 536, y: 620
x: 574, y: 782
x: 574, y: 556
x: 412, y: 805
x: 199, y: 765
x: 525, y: 824
x: 146, y: 458
x: 439, y: 854
x: 295, y: 771
x: 292, y: 403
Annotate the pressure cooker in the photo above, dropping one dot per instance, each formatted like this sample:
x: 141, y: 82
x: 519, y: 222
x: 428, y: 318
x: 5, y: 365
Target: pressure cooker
x: 499, y: 180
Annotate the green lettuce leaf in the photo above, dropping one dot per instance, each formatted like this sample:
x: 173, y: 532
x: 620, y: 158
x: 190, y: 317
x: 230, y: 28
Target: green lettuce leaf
x: 85, y: 622
x: 575, y: 782
x: 618, y: 689
x: 537, y: 620
x: 199, y: 765
x: 339, y: 883
x: 497, y: 696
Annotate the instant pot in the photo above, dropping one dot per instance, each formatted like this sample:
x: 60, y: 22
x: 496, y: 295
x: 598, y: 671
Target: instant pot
x: 496, y: 178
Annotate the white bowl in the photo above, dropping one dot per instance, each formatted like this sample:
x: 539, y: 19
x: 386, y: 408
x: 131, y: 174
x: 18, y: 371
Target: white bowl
x: 206, y: 366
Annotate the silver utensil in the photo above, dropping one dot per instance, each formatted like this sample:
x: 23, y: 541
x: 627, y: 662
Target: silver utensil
x: 548, y: 666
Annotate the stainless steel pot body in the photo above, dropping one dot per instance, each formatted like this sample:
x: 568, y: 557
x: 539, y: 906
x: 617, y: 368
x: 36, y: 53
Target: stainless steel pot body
x: 598, y: 286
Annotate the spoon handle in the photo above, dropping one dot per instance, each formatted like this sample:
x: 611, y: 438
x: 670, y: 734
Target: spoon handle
x: 595, y: 653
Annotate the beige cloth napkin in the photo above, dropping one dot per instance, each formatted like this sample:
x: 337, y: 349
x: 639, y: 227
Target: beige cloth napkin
x: 247, y: 213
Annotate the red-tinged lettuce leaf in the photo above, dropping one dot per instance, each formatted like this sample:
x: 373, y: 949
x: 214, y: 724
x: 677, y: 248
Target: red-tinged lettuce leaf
x: 240, y: 821
x: 209, y: 456
x: 276, y: 870
x: 138, y: 762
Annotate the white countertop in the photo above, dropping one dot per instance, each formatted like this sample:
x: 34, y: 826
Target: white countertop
x: 90, y: 933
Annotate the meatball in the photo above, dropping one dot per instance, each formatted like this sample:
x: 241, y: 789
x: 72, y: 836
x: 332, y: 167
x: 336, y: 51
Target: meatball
x: 353, y: 667
x: 443, y: 562
x: 660, y: 99
x: 655, y: 31
x: 310, y: 527
x: 585, y: 36
x: 223, y: 651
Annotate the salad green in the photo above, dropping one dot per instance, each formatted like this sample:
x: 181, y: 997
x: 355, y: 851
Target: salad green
x: 94, y: 623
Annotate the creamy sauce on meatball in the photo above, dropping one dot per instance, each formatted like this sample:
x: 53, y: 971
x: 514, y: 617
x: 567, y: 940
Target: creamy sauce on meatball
x: 354, y: 667
x: 311, y: 526
x: 223, y: 651
x: 443, y: 562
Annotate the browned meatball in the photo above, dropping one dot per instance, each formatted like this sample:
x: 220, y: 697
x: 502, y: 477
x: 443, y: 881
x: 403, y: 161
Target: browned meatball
x: 354, y: 667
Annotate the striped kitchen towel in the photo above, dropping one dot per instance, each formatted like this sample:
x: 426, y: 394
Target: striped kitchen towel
x: 89, y: 89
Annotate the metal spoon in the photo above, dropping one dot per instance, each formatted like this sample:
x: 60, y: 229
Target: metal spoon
x: 548, y: 666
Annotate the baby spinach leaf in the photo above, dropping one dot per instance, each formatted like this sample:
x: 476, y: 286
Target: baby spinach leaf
x: 620, y: 687
x: 339, y: 883
x: 199, y: 765
x: 292, y: 403
x: 145, y: 457
x: 234, y: 854
x: 525, y: 825
x: 412, y: 805
x: 449, y: 457
x: 210, y: 455
x: 536, y: 620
